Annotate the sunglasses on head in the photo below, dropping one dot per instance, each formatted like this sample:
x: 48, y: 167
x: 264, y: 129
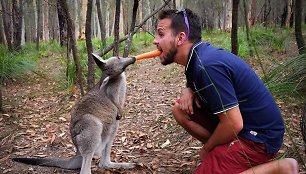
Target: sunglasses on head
x: 185, y: 19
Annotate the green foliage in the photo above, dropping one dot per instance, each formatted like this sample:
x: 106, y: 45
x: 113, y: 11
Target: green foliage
x: 288, y: 80
x: 15, y: 64
x: 272, y: 38
x: 141, y: 40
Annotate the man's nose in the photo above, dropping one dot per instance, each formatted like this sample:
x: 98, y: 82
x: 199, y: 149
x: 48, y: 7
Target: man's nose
x: 155, y: 41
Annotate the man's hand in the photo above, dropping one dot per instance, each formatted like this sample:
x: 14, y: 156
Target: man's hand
x: 186, y: 101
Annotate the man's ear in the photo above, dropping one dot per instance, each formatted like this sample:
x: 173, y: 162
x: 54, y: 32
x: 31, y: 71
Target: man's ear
x: 181, y: 38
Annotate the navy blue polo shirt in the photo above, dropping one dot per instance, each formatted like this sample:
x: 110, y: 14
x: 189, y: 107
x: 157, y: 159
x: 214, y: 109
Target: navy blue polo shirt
x: 222, y: 81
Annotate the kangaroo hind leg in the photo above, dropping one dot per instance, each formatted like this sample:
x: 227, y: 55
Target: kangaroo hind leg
x: 87, y: 140
x: 105, y: 161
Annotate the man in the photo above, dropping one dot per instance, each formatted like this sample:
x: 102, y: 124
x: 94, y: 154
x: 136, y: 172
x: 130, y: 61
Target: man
x: 225, y: 105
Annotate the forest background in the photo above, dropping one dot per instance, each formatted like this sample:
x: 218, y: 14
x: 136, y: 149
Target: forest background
x: 268, y: 34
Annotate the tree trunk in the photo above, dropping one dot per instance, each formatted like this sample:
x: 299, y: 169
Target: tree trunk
x: 125, y: 12
x: 289, y: 13
x: 6, y: 24
x: 116, y: 29
x: 174, y: 4
x: 70, y: 30
x: 83, y: 19
x: 245, y: 16
x: 18, y: 12
x: 234, y: 35
x: 38, y: 24
x: 298, y: 27
x: 102, y: 26
x: 252, y: 13
x: 140, y: 10
x: 267, y: 11
x: 227, y: 15
x: 129, y: 40
x: 2, y: 35
x: 46, y: 32
x: 91, y: 68
x: 62, y: 26
x: 1, y: 105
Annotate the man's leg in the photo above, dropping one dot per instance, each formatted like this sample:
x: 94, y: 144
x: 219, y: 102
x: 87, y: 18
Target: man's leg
x: 193, y: 128
x: 283, y: 166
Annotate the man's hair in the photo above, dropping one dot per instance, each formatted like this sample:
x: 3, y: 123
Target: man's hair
x: 178, y: 22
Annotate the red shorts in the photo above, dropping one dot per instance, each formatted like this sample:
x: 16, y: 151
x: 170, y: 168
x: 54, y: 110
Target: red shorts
x: 231, y: 158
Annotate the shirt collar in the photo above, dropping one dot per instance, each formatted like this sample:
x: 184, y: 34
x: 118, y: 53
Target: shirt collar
x: 191, y: 53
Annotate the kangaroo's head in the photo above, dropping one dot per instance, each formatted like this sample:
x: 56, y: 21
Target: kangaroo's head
x: 113, y: 66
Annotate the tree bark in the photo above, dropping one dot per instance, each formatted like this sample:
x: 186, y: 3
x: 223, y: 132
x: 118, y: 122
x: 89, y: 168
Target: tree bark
x: 234, y: 35
x: 289, y: 13
x: 6, y: 24
x: 298, y: 27
x: 116, y: 29
x: 46, y: 32
x: 70, y: 29
x: 130, y: 38
x: 102, y: 26
x: 91, y: 68
x: 252, y: 13
x: 245, y: 16
x: 62, y: 26
x: 227, y: 14
x: 1, y: 105
x: 174, y: 4
x: 125, y: 12
x: 2, y: 35
x: 83, y: 19
x: 18, y: 12
x: 38, y: 34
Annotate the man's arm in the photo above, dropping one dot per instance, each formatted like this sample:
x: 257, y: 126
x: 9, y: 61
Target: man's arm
x: 186, y: 100
x: 229, y: 126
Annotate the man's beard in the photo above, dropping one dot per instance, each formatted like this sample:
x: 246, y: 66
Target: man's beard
x: 169, y: 58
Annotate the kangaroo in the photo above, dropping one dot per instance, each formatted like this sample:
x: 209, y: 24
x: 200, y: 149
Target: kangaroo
x: 95, y: 120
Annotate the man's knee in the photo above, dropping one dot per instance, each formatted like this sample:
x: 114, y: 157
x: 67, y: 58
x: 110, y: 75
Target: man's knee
x: 292, y: 165
x: 178, y: 114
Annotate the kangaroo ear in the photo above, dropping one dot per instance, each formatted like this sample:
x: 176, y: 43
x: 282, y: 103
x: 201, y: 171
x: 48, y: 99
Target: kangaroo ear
x: 99, y: 61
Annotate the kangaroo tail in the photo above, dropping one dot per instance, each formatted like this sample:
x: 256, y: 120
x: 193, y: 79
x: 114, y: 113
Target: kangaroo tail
x: 72, y: 163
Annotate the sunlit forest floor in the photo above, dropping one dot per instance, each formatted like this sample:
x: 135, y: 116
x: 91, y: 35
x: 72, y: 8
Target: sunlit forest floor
x: 36, y: 122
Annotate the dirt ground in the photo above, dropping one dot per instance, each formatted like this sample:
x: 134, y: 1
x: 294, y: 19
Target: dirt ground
x: 36, y: 122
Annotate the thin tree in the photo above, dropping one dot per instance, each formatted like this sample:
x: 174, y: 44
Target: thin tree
x: 252, y: 16
x: 72, y: 40
x: 91, y: 67
x: 1, y: 105
x: 101, y: 24
x: 6, y: 24
x: 39, y: 27
x: 2, y: 36
x: 298, y: 27
x: 234, y: 35
x: 245, y: 16
x: 62, y: 25
x: 130, y: 38
x: 116, y: 29
x: 289, y: 13
x: 17, y: 16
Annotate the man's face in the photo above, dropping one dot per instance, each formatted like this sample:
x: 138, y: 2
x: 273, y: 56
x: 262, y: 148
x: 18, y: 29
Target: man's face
x: 165, y: 41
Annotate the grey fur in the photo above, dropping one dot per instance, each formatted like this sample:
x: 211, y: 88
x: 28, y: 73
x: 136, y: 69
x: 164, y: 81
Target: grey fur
x: 95, y: 120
